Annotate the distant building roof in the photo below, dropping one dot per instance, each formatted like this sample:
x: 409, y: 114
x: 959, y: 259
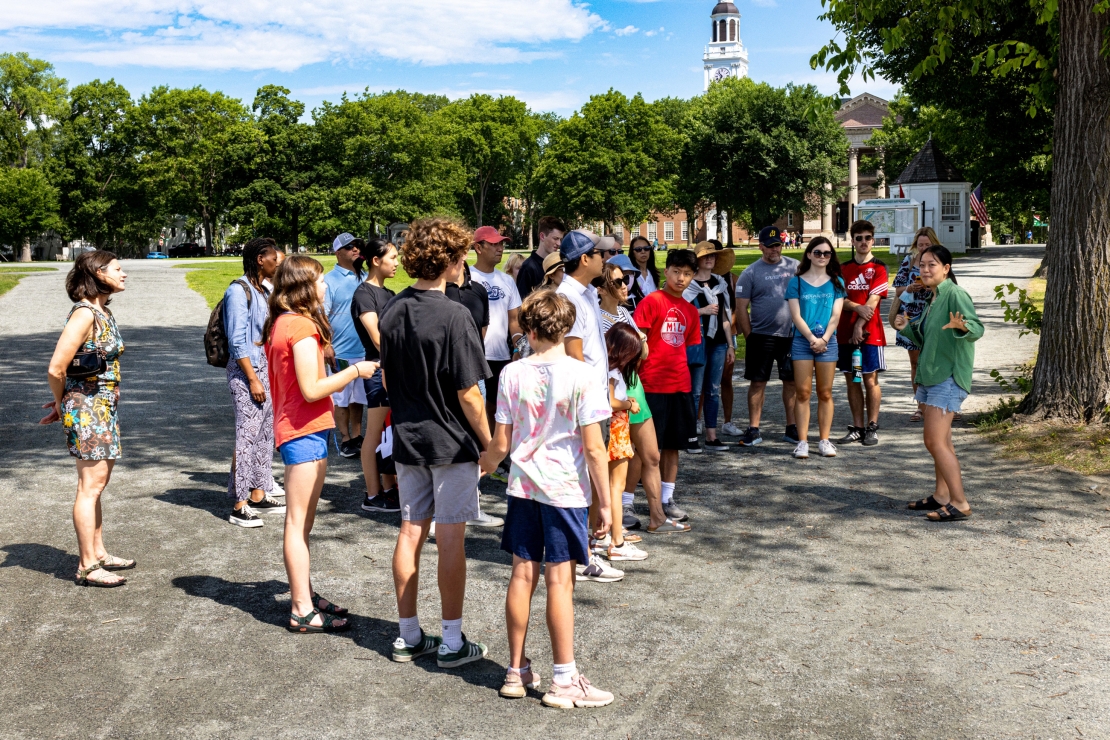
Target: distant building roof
x: 725, y: 7
x: 863, y: 110
x: 930, y: 165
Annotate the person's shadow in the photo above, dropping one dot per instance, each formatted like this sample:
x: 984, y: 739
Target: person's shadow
x: 43, y: 558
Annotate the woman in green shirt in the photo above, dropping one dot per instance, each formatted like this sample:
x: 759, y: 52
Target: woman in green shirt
x: 945, y: 332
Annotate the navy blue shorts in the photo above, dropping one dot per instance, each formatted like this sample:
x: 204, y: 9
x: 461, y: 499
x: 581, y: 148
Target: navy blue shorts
x: 874, y: 358
x: 309, y: 448
x: 376, y: 397
x: 545, y: 534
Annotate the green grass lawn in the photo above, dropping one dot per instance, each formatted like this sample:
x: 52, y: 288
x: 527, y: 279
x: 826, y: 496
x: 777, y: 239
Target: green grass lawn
x: 10, y: 276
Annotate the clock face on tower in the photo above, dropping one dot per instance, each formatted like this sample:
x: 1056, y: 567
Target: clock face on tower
x: 721, y: 73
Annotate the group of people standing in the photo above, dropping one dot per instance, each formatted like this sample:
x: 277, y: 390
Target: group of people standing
x: 574, y: 381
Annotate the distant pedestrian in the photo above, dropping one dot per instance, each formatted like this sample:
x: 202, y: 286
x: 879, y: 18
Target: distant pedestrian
x: 551, y: 231
x: 295, y: 335
x: 911, y: 298
x: 246, y: 308
x: 946, y: 333
x: 346, y: 349
x: 84, y: 376
x: 647, y: 274
x: 512, y: 265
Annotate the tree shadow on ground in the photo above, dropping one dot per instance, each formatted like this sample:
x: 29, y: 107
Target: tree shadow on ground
x: 42, y: 558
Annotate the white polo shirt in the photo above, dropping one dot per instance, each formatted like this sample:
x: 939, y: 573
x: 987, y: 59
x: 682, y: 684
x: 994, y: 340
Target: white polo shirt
x: 587, y: 327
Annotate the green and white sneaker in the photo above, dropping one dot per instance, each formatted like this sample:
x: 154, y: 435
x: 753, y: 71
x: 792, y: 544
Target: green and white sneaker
x: 405, y: 653
x: 468, y: 653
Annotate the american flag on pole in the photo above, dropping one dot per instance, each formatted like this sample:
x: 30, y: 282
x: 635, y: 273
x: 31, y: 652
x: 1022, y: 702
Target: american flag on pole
x: 977, y: 204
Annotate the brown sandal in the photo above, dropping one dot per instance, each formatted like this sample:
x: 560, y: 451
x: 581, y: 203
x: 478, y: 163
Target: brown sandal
x: 83, y: 578
x: 111, y: 562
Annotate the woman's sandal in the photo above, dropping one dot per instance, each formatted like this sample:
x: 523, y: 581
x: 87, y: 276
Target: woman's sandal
x: 925, y: 504
x: 304, y: 624
x: 947, y: 513
x: 111, y: 562
x: 102, y: 581
x: 916, y: 416
x: 317, y: 601
x: 669, y: 526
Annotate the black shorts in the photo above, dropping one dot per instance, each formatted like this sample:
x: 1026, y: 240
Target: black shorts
x: 376, y: 397
x: 673, y: 416
x: 762, y: 352
x: 495, y: 367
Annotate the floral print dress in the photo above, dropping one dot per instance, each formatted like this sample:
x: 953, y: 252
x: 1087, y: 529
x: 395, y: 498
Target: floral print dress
x: 908, y: 272
x: 89, y: 406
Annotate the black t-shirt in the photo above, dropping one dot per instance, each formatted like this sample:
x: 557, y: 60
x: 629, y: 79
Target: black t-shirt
x: 368, y: 298
x: 724, y: 301
x: 530, y: 275
x: 430, y: 351
x: 474, y: 297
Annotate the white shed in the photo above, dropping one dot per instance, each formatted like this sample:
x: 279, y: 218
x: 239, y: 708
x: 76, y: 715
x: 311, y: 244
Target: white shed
x: 944, y: 195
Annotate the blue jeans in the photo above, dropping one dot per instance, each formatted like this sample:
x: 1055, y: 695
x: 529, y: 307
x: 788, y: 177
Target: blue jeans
x: 714, y: 367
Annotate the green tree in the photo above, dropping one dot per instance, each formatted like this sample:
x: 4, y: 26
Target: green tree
x: 195, y: 148
x: 1055, y: 52
x: 691, y: 193
x: 32, y: 98
x: 529, y: 191
x: 612, y: 161
x: 28, y: 205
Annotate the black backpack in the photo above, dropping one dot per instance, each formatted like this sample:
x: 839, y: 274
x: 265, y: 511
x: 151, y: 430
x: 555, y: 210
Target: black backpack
x: 215, y: 337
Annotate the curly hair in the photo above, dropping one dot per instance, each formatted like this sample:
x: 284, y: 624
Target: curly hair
x: 432, y: 245
x: 548, y: 314
x: 83, y: 283
x: 295, y: 292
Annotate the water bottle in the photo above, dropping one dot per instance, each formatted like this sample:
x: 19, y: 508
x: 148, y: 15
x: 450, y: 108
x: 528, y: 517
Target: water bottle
x: 857, y: 366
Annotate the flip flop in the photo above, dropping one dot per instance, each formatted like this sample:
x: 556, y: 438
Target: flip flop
x: 947, y: 513
x: 925, y: 504
x: 670, y: 526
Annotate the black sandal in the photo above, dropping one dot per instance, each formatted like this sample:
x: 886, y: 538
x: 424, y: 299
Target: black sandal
x: 329, y: 609
x: 947, y: 513
x: 925, y: 504
x: 304, y: 625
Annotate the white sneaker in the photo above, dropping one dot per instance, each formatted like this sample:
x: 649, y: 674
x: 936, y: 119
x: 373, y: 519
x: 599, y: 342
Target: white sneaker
x: 600, y: 547
x: 277, y: 490
x: 486, y: 521
x: 432, y: 530
x: 627, y: 551
x: 599, y: 571
x: 731, y: 429
x: 802, y: 450
x: 825, y: 448
x: 701, y: 427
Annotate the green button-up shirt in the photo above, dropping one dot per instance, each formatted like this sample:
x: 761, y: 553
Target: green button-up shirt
x: 945, y: 353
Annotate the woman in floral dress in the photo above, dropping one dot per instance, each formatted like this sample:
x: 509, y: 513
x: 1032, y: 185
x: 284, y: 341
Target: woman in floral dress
x: 87, y: 407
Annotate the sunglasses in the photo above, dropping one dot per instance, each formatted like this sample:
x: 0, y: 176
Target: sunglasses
x: 641, y: 249
x: 863, y: 237
x: 821, y: 253
x: 610, y: 252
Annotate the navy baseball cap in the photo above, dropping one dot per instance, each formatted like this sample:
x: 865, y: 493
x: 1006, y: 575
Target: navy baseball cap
x: 770, y: 236
x: 341, y: 241
x: 576, y: 243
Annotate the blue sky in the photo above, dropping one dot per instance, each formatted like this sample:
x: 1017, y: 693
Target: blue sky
x: 551, y: 53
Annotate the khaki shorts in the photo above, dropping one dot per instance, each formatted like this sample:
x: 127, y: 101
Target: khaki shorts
x: 447, y: 492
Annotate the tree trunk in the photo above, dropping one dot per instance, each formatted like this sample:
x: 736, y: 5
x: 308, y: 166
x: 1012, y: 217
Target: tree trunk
x: 1072, y: 377
x: 295, y: 224
x: 207, y: 227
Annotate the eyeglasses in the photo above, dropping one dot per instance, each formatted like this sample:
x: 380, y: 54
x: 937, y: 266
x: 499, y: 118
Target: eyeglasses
x: 821, y: 253
x: 610, y: 252
x: 864, y: 237
x: 641, y: 249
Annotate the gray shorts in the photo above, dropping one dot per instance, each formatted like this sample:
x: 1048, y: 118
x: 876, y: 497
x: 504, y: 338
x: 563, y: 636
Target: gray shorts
x: 447, y: 492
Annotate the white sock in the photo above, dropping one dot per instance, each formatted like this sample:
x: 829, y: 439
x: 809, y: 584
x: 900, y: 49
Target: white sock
x: 627, y: 498
x: 564, y: 673
x: 410, y: 630
x: 668, y: 492
x: 452, y: 634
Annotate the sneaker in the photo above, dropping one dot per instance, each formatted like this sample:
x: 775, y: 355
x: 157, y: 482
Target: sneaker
x: 825, y: 448
x: 405, y: 653
x: 486, y: 521
x: 692, y: 446
x: 277, y: 491
x: 627, y: 551
x: 598, y: 571
x: 347, y: 450
x: 629, y: 519
x: 701, y: 427
x: 268, y: 504
x: 600, y: 547
x: 731, y: 430
x: 871, y: 434
x: 517, y: 684
x: 581, y: 693
x: 468, y: 653
x: 244, y: 517
x: 791, y: 434
x: 715, y: 445
x: 801, y: 452
x: 356, y: 444
x: 855, y: 434
x: 751, y: 437
x: 671, y: 511
x: 384, y: 501
x: 432, y: 530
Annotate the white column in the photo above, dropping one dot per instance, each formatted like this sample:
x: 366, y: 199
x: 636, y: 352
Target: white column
x: 827, y: 216
x: 853, y: 182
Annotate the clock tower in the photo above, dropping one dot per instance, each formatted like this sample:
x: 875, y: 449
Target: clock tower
x: 725, y: 55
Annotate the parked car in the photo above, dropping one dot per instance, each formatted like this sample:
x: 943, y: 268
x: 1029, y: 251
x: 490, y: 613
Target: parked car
x: 156, y: 256
x: 188, y: 249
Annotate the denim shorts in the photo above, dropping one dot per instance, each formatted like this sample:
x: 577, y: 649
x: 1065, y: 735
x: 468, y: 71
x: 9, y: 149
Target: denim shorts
x: 800, y: 350
x: 309, y: 448
x: 545, y: 534
x: 946, y: 396
x: 376, y: 397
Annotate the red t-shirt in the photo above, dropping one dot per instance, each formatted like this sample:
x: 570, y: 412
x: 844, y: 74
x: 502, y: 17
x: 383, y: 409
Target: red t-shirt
x: 863, y: 281
x: 670, y: 324
x: 294, y: 416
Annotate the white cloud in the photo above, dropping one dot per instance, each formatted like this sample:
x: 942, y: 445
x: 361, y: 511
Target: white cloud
x: 288, y: 34
x: 626, y: 30
x: 654, y: 32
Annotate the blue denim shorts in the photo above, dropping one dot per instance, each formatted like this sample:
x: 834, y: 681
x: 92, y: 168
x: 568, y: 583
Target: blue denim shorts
x: 947, y: 395
x: 376, y: 397
x: 800, y: 350
x: 309, y: 448
x: 545, y: 534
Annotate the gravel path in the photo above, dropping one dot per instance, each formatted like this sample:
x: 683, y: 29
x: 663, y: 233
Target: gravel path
x: 806, y: 603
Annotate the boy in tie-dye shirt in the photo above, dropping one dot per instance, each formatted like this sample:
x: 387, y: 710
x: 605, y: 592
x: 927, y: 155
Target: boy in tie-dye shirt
x: 549, y: 415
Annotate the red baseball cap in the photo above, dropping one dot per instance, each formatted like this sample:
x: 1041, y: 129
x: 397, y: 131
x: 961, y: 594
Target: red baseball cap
x: 488, y: 234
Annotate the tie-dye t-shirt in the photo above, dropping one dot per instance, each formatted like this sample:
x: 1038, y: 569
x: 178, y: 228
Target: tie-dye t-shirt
x: 547, y: 403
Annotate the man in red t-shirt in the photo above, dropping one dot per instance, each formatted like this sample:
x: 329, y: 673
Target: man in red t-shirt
x: 861, y: 327
x: 671, y: 324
